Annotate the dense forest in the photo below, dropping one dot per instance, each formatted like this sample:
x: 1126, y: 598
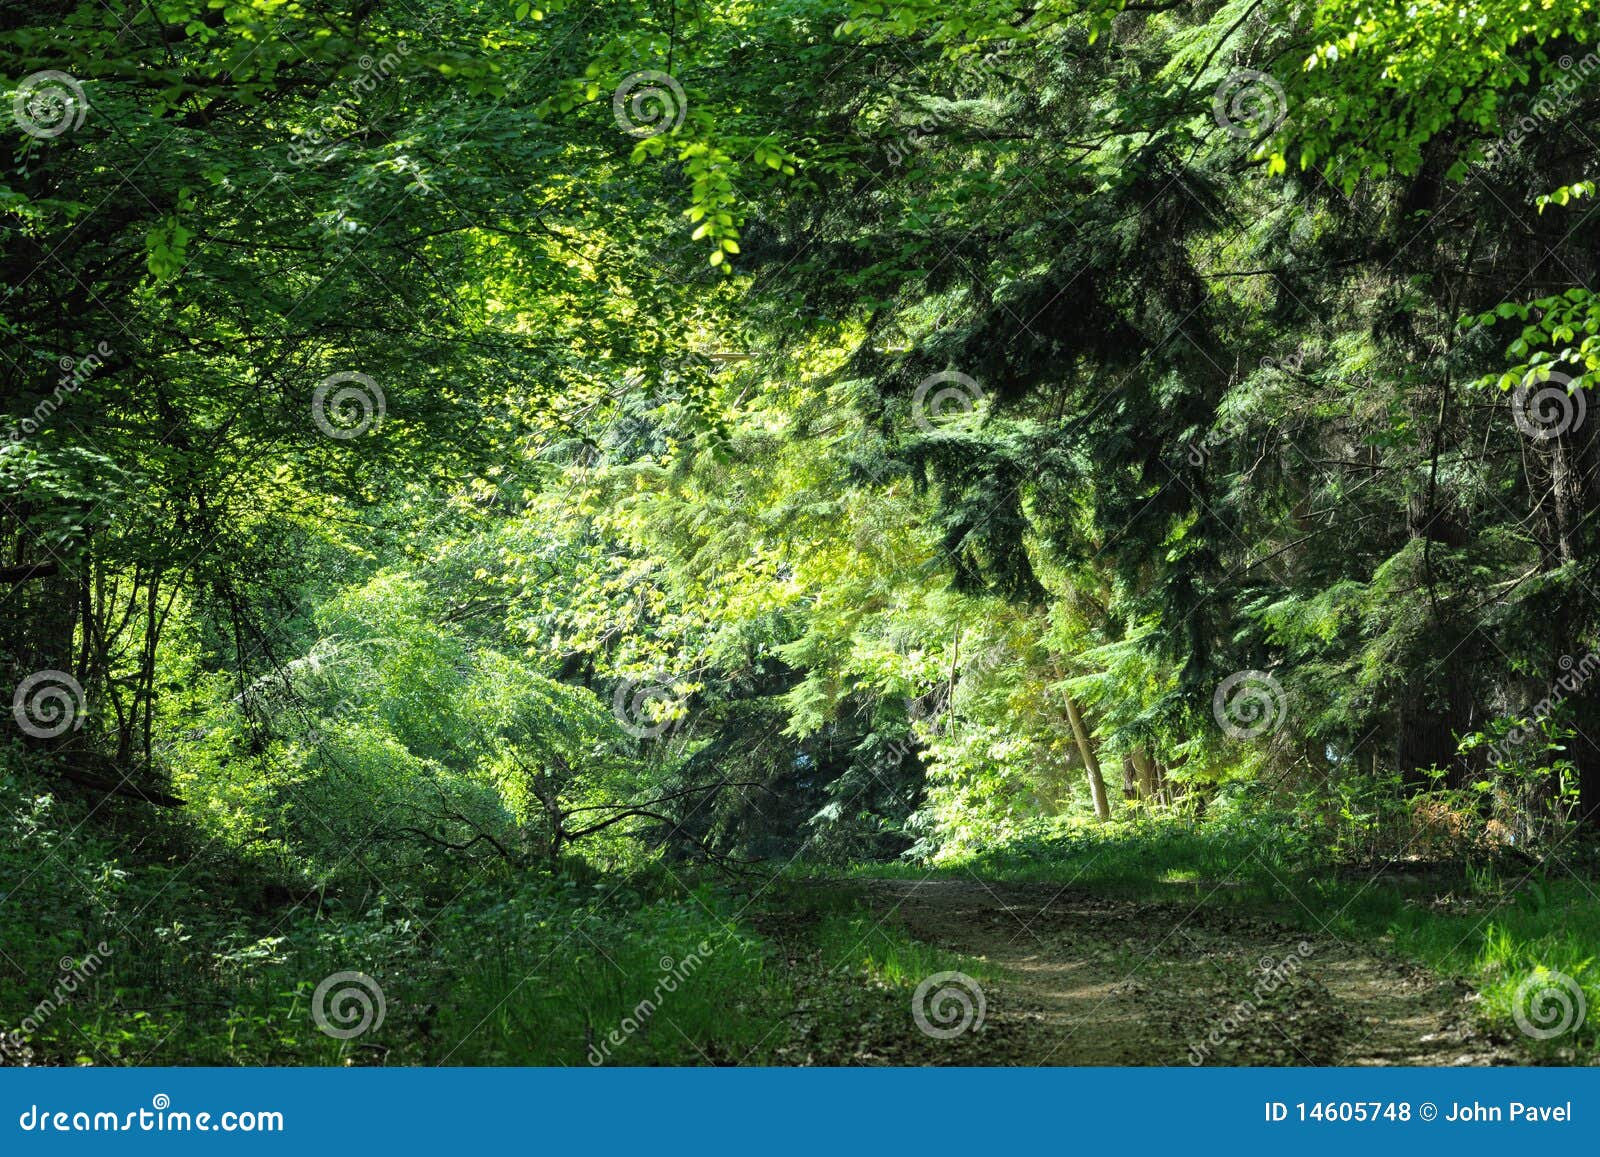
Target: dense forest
x: 691, y: 531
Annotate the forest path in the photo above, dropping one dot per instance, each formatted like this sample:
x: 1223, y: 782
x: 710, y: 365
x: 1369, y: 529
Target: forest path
x: 1071, y: 978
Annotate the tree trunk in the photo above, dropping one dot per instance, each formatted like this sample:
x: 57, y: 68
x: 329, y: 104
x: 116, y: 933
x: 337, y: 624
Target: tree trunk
x: 1575, y: 496
x: 1147, y: 774
x: 1091, y: 765
x: 1583, y: 749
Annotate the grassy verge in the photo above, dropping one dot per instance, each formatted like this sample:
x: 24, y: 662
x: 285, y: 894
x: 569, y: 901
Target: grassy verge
x: 512, y: 972
x: 852, y: 940
x: 859, y: 983
x: 177, y: 952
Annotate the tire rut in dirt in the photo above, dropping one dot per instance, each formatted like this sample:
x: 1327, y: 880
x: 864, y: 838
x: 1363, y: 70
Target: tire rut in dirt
x: 1089, y: 980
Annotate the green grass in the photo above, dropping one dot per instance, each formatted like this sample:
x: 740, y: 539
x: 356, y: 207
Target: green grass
x: 1131, y: 858
x: 179, y: 956
x: 860, y: 943
x: 513, y: 972
x: 672, y: 982
x: 1500, y: 936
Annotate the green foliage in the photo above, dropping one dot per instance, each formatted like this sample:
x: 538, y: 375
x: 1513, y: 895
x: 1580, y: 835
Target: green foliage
x: 1385, y: 80
x: 860, y: 943
x: 502, y: 453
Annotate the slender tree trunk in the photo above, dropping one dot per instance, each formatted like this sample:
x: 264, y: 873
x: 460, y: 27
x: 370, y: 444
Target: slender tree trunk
x: 1091, y: 765
x: 1147, y: 774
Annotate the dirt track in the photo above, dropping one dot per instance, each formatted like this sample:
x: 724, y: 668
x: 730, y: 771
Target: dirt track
x: 1076, y: 979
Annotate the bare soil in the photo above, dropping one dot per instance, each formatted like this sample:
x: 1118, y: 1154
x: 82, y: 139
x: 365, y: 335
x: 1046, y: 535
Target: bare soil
x: 1072, y: 978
